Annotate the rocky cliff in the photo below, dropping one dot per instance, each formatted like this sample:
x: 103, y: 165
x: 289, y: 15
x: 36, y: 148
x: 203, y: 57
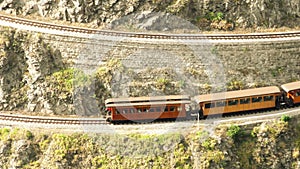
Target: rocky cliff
x: 24, y: 66
x: 272, y: 145
x: 206, y: 14
x: 54, y: 74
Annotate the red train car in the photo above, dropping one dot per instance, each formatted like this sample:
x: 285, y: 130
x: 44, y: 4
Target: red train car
x: 141, y: 109
x: 237, y: 101
x: 292, y: 92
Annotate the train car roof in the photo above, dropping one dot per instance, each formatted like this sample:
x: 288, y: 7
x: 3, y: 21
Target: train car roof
x: 147, y: 103
x: 148, y: 100
x: 237, y: 94
x: 291, y: 86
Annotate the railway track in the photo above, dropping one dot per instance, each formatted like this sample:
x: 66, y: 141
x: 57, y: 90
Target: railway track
x: 88, y: 31
x: 243, y: 117
x: 45, y: 25
x: 51, y: 120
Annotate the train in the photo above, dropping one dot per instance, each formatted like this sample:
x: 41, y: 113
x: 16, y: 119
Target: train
x: 171, y: 107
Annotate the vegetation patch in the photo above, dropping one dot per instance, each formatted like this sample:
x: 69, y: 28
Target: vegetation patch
x: 4, y: 133
x: 285, y: 118
x: 233, y: 131
x: 235, y: 85
x: 245, y: 151
x: 233, y: 147
x: 66, y: 79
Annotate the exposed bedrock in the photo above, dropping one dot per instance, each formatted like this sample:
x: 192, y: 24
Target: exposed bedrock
x: 67, y: 75
x: 206, y: 14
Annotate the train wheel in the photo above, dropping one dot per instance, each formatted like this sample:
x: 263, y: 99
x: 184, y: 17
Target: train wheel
x: 277, y: 105
x: 108, y: 119
x: 201, y: 114
x: 290, y: 102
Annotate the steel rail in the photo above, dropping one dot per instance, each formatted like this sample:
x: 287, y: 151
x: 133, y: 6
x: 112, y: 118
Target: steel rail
x: 78, y: 121
x: 65, y: 28
x: 51, y: 120
x: 259, y: 114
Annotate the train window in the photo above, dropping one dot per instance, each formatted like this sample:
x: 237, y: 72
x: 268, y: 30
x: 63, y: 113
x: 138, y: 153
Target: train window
x: 166, y: 109
x: 145, y: 110
x: 172, y: 108
x: 117, y: 111
x: 132, y: 110
x: 221, y: 104
x: 297, y: 93
x: 245, y: 101
x: 256, y: 99
x: 292, y: 93
x: 151, y: 110
x: 124, y: 111
x: 158, y: 109
x: 209, y: 105
x: 139, y: 110
x: 268, y: 98
x: 179, y: 108
x: 233, y: 102
x: 187, y: 107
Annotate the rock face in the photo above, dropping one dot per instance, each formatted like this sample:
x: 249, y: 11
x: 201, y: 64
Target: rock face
x: 23, y: 153
x: 25, y: 63
x: 41, y: 61
x: 270, y: 143
x: 206, y: 14
x: 53, y: 74
x: 36, y: 73
x: 35, y: 78
x: 12, y: 70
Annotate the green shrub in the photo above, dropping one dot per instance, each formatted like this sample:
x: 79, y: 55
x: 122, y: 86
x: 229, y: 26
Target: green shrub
x: 233, y: 131
x: 29, y: 135
x: 254, y: 131
x: 215, y: 16
x: 209, y: 144
x: 66, y: 79
x: 162, y: 81
x: 285, y: 118
x: 4, y: 132
x: 201, y: 135
x: 235, y: 84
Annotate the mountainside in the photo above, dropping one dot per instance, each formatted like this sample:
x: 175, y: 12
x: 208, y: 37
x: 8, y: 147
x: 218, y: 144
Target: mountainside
x: 273, y: 145
x: 52, y: 74
x: 205, y: 14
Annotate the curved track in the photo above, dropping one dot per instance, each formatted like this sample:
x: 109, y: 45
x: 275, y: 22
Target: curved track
x: 51, y: 120
x: 64, y: 28
x: 95, y: 121
x: 243, y: 117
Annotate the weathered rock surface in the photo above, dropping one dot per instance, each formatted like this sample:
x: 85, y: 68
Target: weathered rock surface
x: 26, y: 61
x: 53, y: 74
x: 35, y: 73
x: 23, y: 153
x: 206, y: 14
